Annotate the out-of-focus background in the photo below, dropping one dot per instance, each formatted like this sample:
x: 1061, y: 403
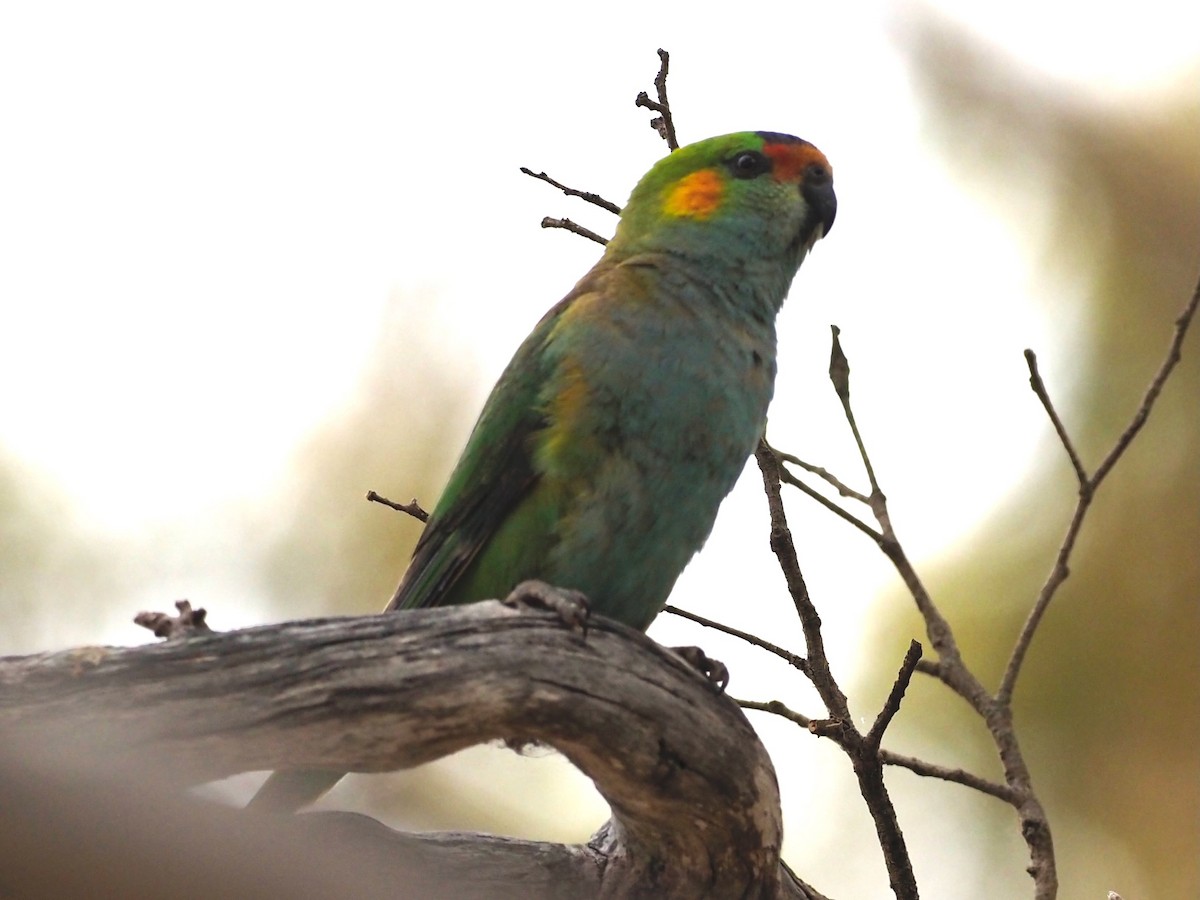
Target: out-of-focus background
x: 259, y: 258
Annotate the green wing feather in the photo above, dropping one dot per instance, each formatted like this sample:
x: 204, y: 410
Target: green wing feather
x: 494, y: 474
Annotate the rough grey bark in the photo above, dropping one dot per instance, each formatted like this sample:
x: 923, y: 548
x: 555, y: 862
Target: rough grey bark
x: 695, y: 804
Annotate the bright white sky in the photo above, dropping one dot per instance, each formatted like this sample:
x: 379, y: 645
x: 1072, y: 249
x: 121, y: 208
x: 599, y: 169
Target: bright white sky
x: 204, y: 209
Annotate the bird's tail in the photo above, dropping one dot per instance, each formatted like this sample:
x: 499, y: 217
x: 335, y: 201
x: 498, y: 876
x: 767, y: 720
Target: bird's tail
x: 286, y: 792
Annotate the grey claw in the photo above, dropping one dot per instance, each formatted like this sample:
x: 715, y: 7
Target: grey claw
x: 571, y: 606
x: 713, y: 669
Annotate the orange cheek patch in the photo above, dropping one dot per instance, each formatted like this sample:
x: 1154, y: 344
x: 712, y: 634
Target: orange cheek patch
x: 697, y: 195
x: 790, y: 160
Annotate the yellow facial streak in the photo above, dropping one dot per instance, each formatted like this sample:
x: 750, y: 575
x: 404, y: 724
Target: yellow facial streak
x: 696, y: 195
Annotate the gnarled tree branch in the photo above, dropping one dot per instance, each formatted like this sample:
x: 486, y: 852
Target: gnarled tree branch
x: 695, y: 804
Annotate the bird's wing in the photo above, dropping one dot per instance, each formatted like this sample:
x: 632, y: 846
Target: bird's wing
x: 496, y: 470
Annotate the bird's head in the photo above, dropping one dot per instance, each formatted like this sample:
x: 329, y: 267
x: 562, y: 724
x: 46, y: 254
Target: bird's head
x: 748, y: 198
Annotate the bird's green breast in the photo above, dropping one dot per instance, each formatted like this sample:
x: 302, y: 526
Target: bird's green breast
x: 657, y: 399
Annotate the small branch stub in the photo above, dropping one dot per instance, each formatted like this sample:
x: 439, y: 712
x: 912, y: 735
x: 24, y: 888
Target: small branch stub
x: 188, y: 623
x: 574, y: 228
x: 412, y: 507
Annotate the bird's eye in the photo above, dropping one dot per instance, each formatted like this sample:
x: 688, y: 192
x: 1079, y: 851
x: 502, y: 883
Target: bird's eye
x: 749, y: 164
x: 818, y: 174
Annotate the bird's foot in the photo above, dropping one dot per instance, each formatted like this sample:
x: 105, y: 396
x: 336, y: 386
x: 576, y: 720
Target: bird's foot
x: 713, y: 669
x: 571, y: 606
x: 189, y: 623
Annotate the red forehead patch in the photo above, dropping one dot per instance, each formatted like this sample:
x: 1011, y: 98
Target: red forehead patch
x: 790, y: 160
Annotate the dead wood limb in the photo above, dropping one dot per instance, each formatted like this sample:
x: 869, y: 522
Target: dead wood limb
x: 693, y: 794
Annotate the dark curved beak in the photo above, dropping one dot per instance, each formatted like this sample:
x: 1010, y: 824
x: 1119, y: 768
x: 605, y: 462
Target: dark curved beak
x: 817, y: 190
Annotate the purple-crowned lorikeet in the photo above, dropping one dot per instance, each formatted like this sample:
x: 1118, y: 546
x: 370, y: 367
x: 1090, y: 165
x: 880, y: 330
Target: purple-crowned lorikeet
x: 624, y: 419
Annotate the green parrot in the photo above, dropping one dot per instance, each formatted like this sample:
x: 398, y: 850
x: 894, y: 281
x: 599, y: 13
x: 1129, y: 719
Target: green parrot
x: 624, y: 419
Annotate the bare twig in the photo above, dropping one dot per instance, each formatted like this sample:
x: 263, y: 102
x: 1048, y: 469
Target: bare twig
x: 574, y: 228
x: 951, y: 670
x: 810, y: 620
x: 890, y: 757
x: 776, y: 708
x: 1174, y: 353
x: 586, y: 196
x: 791, y: 658
x: 1039, y: 388
x: 824, y: 475
x: 412, y: 508
x: 1061, y: 570
x: 664, y: 124
x: 788, y: 478
x: 864, y: 756
x: 958, y: 776
x: 892, y: 705
x: 997, y: 710
x: 839, y: 374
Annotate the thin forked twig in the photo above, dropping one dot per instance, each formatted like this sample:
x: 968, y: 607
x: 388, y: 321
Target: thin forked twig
x: 412, y: 508
x: 864, y: 757
x: 1061, y: 570
x: 826, y: 476
x: 891, y: 758
x: 892, y: 705
x: 810, y: 621
x: 792, y: 659
x: 664, y: 124
x: 1039, y: 388
x: 788, y: 478
x: 586, y: 196
x: 958, y: 776
x: 839, y: 374
x: 574, y: 228
x: 951, y: 669
x: 1174, y: 353
x: 776, y: 708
